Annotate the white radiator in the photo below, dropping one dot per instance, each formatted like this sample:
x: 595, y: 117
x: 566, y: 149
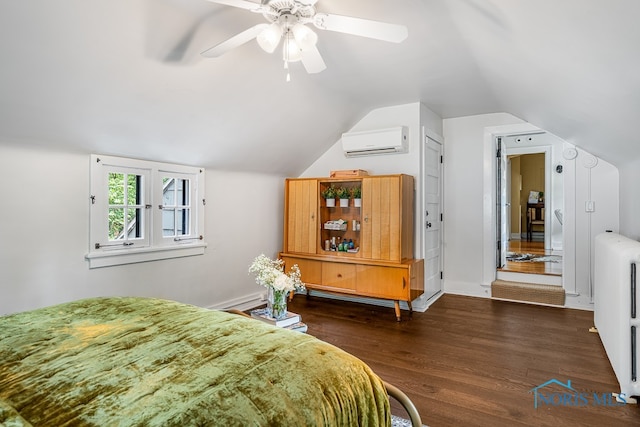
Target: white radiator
x: 616, y: 315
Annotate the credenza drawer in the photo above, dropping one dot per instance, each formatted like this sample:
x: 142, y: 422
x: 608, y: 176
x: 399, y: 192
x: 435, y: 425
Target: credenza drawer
x: 339, y: 276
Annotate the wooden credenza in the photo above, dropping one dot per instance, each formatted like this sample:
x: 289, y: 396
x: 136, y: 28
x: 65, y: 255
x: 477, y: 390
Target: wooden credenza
x: 381, y: 264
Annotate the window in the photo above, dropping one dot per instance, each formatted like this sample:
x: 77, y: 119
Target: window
x: 144, y: 211
x: 176, y: 207
x: 126, y: 209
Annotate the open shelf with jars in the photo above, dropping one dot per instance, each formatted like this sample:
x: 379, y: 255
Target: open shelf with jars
x: 340, y: 218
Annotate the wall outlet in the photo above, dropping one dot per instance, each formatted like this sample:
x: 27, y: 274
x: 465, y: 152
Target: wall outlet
x: 589, y: 206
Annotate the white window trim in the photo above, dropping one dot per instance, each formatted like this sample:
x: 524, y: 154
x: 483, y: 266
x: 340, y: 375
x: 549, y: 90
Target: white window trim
x: 157, y: 248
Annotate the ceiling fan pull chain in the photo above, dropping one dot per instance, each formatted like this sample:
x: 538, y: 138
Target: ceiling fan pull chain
x: 285, y: 54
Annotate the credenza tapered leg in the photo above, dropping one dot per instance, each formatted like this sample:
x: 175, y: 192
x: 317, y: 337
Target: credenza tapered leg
x: 396, y: 305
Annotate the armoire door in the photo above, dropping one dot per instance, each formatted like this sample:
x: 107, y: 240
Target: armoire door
x: 381, y: 232
x: 301, y: 222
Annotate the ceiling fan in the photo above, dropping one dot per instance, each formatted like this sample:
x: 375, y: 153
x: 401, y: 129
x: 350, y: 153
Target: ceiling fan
x: 288, y: 19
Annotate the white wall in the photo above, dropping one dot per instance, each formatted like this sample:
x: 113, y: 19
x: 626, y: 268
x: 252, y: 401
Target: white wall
x: 630, y: 199
x: 420, y: 121
x: 465, y: 166
x: 469, y: 187
x: 599, y: 184
x: 587, y: 178
x: 44, y: 237
x: 401, y: 115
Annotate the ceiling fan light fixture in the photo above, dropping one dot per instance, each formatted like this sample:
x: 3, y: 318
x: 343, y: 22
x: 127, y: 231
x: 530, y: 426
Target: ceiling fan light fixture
x: 304, y: 36
x: 291, y: 20
x: 269, y: 38
x: 290, y: 49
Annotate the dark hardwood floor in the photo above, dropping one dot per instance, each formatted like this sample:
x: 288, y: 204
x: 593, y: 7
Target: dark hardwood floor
x: 473, y: 361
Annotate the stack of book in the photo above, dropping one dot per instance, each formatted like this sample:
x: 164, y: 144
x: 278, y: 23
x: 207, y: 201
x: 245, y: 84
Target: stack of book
x: 291, y: 321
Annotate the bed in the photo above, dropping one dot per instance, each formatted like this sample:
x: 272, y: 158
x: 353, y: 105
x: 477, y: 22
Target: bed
x: 151, y: 362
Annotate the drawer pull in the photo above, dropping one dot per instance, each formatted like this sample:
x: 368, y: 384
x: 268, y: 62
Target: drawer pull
x: 339, y: 275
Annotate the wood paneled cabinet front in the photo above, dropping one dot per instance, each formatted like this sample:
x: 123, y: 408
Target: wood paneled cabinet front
x: 301, y: 216
x: 378, y: 262
x: 387, y: 218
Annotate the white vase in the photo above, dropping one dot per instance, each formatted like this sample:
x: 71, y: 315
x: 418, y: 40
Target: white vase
x: 331, y: 203
x: 344, y: 203
x: 357, y: 203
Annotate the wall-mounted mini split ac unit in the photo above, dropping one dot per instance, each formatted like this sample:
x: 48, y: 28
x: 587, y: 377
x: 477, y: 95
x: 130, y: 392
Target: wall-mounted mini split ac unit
x: 379, y: 141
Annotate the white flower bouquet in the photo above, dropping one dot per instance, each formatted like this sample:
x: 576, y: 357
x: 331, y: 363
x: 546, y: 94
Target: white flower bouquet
x: 270, y: 274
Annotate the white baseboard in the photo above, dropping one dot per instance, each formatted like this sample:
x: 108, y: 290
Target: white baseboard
x: 243, y: 303
x: 578, y: 302
x: 467, y: 289
x: 433, y: 299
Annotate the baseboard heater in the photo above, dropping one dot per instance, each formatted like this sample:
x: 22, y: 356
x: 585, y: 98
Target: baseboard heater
x: 615, y: 306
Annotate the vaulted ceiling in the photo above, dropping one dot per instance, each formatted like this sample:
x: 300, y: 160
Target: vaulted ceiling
x: 125, y: 77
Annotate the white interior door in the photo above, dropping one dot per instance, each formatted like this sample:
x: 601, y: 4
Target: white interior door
x: 433, y: 218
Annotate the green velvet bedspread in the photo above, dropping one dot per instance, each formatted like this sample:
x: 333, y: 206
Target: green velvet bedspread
x: 151, y: 362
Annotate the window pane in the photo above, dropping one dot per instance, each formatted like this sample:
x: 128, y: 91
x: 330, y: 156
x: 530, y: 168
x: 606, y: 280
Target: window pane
x: 175, y: 192
x: 183, y: 222
x: 116, y: 223
x: 134, y: 189
x: 168, y: 191
x: 168, y: 222
x: 116, y: 188
x: 134, y: 223
x: 183, y: 192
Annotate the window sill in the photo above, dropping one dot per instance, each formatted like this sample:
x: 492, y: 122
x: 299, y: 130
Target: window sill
x: 131, y: 256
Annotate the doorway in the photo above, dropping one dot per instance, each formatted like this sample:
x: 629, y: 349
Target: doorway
x: 563, y: 236
x: 525, y: 196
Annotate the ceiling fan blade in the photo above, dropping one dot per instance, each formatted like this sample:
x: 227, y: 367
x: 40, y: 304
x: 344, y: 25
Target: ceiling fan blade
x: 242, y: 4
x: 361, y: 27
x: 235, y: 41
x: 312, y: 61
